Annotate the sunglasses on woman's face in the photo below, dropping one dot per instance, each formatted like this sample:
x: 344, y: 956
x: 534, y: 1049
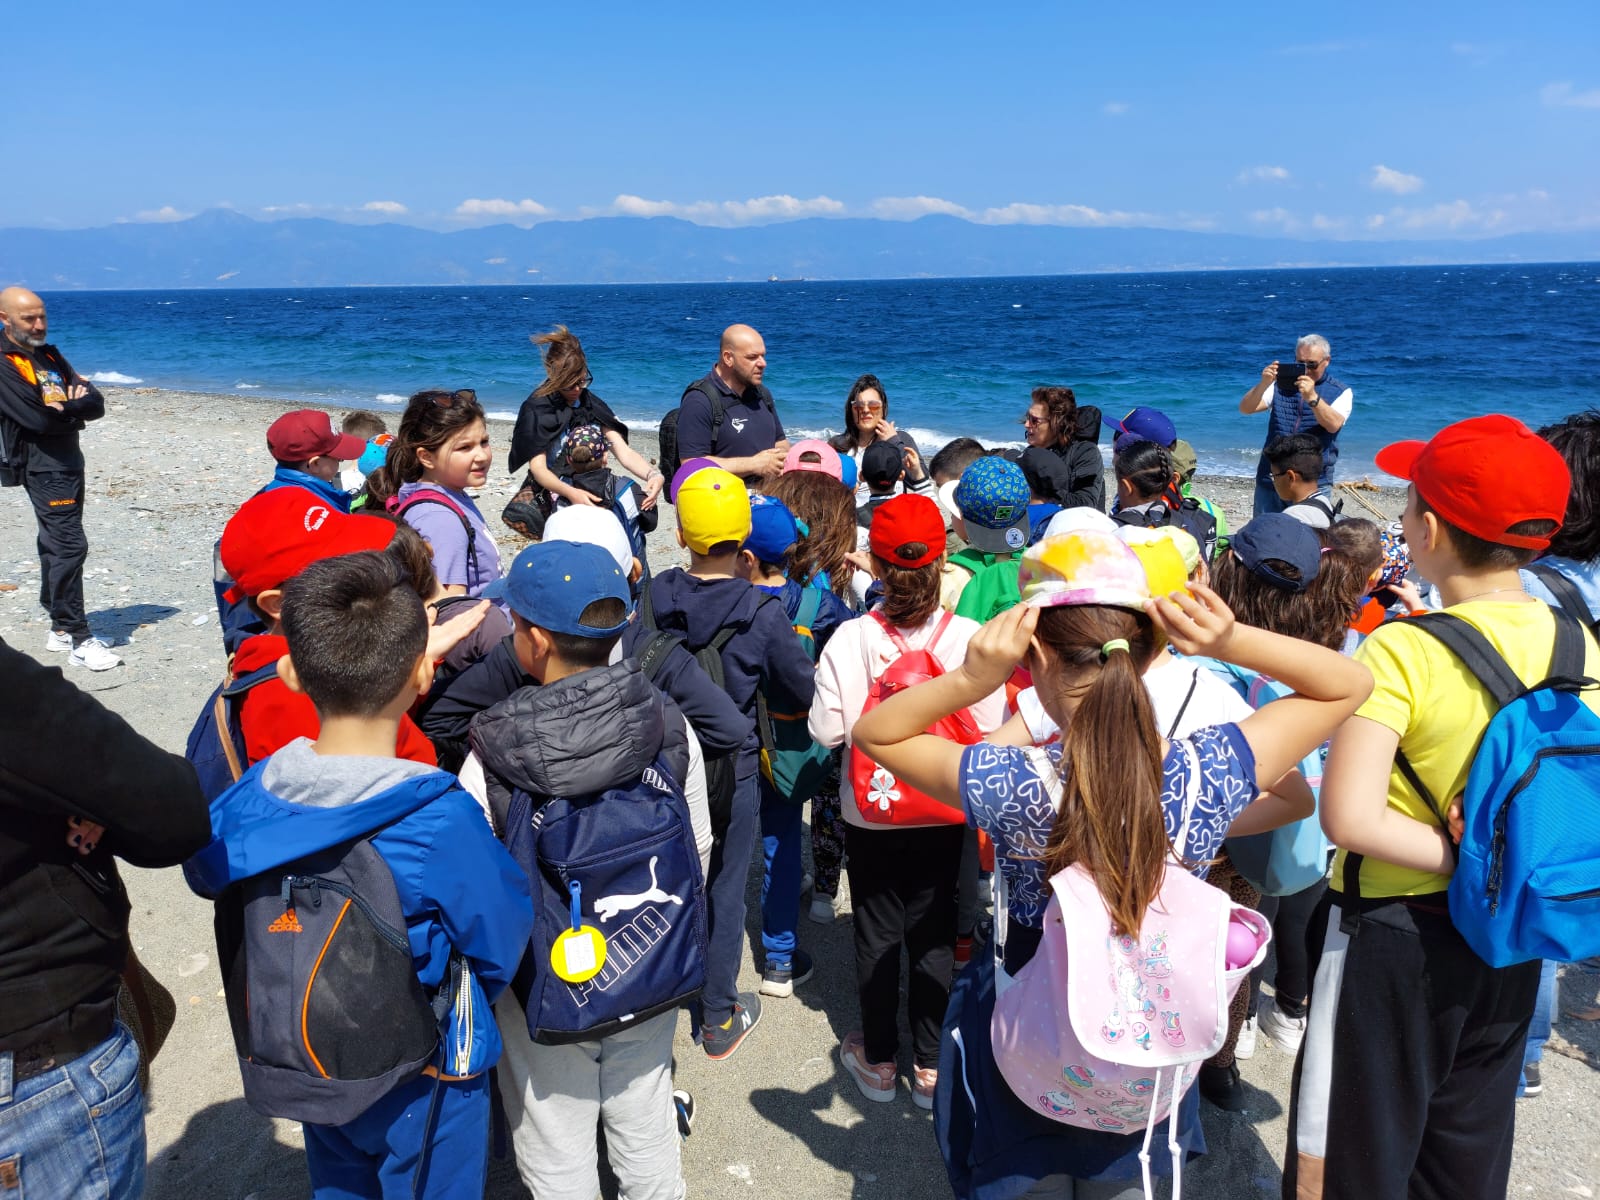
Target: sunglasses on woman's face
x: 451, y: 399
x: 867, y: 405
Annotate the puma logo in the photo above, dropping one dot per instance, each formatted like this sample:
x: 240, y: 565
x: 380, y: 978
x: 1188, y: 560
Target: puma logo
x: 609, y: 906
x: 288, y: 923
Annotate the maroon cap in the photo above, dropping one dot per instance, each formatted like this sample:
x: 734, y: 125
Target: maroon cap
x: 1485, y: 475
x: 308, y: 432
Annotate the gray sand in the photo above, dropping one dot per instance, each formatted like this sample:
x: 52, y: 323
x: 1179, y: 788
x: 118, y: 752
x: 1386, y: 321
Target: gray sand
x: 165, y: 471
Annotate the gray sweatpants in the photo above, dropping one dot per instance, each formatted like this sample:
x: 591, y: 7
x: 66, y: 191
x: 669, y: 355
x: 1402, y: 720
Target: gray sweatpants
x: 555, y: 1095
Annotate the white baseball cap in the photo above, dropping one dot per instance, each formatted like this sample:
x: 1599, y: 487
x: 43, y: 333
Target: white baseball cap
x: 592, y: 526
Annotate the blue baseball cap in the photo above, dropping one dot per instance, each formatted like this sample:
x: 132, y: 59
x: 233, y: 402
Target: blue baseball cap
x: 773, y: 530
x: 1144, y: 425
x: 993, y: 500
x: 551, y: 583
x: 847, y: 470
x: 1278, y: 538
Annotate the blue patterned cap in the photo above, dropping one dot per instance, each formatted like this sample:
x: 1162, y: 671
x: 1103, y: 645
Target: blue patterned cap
x: 993, y: 499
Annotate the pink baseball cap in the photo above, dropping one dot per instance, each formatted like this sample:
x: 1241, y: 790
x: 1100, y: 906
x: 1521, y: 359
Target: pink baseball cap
x: 814, y: 454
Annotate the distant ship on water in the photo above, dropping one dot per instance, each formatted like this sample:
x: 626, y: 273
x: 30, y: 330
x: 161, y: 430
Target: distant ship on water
x: 775, y: 279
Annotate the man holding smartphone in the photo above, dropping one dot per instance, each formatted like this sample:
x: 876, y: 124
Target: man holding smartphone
x: 1300, y: 397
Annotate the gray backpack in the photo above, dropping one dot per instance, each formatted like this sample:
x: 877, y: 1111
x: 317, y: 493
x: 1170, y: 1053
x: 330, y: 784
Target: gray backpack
x: 327, y: 1012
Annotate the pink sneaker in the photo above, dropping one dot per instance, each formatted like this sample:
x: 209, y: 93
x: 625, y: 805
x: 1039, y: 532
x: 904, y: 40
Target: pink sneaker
x: 875, y: 1081
x: 923, y: 1082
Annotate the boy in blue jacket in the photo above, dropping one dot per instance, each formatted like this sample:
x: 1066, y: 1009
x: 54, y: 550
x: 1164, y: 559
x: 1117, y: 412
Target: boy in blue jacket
x: 760, y: 651
x: 357, y: 636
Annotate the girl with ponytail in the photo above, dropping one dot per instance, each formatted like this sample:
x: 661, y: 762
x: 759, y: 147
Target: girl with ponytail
x: 1110, y: 796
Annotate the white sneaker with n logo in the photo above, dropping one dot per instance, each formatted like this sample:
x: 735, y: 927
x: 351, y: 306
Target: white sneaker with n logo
x: 95, y: 655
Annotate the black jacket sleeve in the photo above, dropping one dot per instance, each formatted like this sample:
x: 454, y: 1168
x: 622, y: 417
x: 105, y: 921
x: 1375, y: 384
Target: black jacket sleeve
x: 717, y: 721
x: 1087, y: 488
x: 447, y: 710
x: 63, y: 752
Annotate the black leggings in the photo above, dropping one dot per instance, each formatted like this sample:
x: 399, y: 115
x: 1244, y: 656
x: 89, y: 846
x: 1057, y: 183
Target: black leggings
x: 1291, y: 918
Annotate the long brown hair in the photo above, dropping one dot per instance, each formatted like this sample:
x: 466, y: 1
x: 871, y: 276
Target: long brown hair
x: 829, y: 510
x: 564, y: 361
x: 1110, y: 820
x: 431, y: 419
x: 1320, y: 614
x: 910, y: 594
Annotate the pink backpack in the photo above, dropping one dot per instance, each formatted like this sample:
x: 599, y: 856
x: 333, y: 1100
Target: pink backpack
x: 1106, y: 1031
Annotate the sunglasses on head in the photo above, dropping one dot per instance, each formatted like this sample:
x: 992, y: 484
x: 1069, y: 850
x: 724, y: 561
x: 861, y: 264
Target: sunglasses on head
x: 443, y: 399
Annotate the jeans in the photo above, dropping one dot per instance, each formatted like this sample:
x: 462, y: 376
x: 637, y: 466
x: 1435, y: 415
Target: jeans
x: 725, y: 903
x: 781, y: 836
x: 77, y: 1132
x: 555, y: 1096
x: 1544, y: 1007
x: 375, y: 1156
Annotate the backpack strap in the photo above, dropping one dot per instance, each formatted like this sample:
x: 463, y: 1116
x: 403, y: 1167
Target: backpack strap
x: 1476, y: 653
x: 398, y: 507
x: 1568, y: 598
x: 233, y: 689
x: 709, y: 391
x: 810, y: 605
x: 654, y: 655
x: 1177, y: 719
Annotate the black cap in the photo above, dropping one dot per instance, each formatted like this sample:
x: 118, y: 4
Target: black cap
x: 882, y: 464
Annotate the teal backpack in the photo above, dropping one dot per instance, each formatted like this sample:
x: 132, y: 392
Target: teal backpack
x: 791, y: 760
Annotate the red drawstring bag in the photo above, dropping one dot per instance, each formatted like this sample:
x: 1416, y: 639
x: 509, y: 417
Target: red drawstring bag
x: 880, y: 797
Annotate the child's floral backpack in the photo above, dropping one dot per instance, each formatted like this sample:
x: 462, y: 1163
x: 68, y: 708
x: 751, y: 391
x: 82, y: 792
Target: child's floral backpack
x: 882, y: 799
x: 1107, y: 1031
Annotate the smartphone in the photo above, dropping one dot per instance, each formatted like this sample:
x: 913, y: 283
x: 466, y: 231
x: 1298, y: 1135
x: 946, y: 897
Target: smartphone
x: 1288, y: 372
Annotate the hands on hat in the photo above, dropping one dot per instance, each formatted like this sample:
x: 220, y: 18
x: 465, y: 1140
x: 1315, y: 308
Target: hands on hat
x: 1196, y: 622
x: 997, y: 648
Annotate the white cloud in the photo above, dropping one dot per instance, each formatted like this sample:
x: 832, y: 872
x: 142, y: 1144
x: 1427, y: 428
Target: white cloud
x: 1114, y: 108
x: 1060, y: 214
x: 495, y: 262
x: 300, y: 208
x: 1280, y: 217
x: 909, y: 208
x: 474, y: 209
x: 1561, y: 95
x: 1387, y: 179
x: 156, y: 216
x: 759, y: 210
x: 1264, y: 174
x: 391, y: 207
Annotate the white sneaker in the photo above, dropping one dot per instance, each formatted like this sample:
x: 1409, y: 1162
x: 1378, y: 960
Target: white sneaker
x: 1246, y: 1046
x: 822, y: 909
x: 1286, y: 1031
x: 58, y: 642
x: 95, y: 655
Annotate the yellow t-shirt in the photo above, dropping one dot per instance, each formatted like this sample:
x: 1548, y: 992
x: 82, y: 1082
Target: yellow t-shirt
x: 1425, y: 694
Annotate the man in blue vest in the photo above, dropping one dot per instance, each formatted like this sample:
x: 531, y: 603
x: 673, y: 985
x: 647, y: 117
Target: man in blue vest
x: 1317, y: 404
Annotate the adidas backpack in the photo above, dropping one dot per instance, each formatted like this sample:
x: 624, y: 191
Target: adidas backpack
x: 1108, y: 1031
x: 882, y: 799
x: 216, y: 747
x: 792, y: 761
x: 623, y: 862
x: 1527, y: 877
x: 327, y: 1013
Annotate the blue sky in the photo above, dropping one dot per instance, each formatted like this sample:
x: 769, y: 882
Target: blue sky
x: 1354, y: 120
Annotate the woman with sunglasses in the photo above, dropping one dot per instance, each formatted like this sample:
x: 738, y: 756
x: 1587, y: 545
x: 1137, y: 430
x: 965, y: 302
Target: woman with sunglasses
x: 561, y: 402
x: 443, y: 449
x: 866, y: 421
x: 1054, y: 422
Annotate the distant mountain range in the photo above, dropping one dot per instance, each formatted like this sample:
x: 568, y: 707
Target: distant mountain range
x: 224, y: 249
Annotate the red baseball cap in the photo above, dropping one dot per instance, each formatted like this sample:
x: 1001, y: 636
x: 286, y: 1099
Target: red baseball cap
x: 907, y: 518
x: 277, y: 534
x: 1484, y: 475
x: 308, y: 432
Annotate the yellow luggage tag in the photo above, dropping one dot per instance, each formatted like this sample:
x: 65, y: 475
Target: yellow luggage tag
x: 579, y: 952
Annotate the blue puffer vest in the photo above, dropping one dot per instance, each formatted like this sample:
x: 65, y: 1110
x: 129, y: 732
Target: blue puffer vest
x: 1291, y: 414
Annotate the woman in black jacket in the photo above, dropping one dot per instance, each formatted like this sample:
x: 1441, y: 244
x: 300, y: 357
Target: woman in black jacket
x: 1055, y: 423
x: 866, y: 420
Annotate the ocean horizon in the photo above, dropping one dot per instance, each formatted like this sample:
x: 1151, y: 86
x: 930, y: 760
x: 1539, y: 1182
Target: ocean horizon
x: 1420, y: 346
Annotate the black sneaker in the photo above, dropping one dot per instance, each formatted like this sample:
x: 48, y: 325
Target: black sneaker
x: 1532, y: 1085
x: 1222, y: 1086
x: 720, y: 1041
x: 781, y: 978
x: 683, y: 1106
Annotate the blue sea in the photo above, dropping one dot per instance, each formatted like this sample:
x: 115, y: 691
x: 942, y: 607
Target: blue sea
x: 1421, y: 346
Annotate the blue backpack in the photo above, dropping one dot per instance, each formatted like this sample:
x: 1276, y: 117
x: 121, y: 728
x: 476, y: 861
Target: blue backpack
x: 1527, y: 878
x: 622, y: 861
x: 794, y: 763
x: 216, y: 747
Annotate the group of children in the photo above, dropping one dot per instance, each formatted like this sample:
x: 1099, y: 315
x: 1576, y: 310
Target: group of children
x: 945, y: 682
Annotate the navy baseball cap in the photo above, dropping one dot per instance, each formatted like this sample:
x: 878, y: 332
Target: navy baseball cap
x: 773, y: 530
x: 551, y: 583
x: 1277, y: 537
x: 1144, y: 425
x: 882, y: 463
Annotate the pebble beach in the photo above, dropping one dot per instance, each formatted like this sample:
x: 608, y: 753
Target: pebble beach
x: 165, y: 471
